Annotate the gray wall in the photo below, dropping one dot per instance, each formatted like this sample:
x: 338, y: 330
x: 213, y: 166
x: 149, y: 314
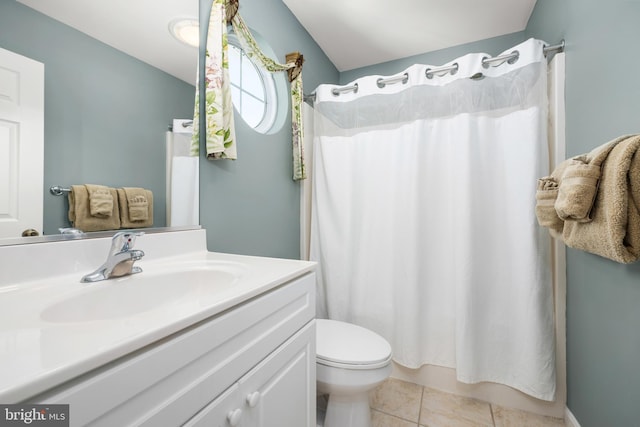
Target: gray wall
x: 603, y: 297
x: 106, y: 112
x: 252, y: 205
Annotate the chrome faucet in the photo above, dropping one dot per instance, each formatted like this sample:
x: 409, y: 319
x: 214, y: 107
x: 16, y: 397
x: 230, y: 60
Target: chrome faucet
x: 120, y: 259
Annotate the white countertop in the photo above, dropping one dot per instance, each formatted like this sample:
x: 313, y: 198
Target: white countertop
x: 44, y: 342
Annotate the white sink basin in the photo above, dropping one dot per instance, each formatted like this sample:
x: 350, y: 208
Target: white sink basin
x: 153, y: 289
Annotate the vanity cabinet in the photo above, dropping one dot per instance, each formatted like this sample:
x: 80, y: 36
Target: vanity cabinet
x: 269, y: 395
x: 251, y: 365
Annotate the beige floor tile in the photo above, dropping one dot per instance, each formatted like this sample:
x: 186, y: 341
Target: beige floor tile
x: 441, y: 409
x: 397, y: 398
x: 380, y: 419
x: 505, y: 417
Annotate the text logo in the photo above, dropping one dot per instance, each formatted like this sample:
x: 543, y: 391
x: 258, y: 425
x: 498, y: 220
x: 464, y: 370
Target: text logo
x: 26, y: 414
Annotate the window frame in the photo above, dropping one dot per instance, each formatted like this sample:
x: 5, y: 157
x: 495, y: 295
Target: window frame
x: 267, y: 82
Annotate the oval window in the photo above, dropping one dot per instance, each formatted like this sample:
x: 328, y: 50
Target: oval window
x: 252, y: 89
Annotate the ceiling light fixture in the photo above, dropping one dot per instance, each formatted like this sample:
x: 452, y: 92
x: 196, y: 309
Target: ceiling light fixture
x: 186, y: 30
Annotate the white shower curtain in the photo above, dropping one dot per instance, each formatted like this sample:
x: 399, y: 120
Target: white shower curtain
x: 183, y: 181
x: 423, y: 217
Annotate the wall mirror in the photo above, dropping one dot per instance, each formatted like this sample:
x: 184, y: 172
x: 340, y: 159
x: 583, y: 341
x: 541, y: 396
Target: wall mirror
x: 114, y: 81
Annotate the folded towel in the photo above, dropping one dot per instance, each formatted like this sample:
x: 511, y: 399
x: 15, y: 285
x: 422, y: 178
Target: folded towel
x: 546, y: 195
x: 574, y: 200
x: 614, y: 231
x: 577, y: 190
x: 80, y: 211
x: 136, y: 207
x: 138, y: 203
x: 100, y: 201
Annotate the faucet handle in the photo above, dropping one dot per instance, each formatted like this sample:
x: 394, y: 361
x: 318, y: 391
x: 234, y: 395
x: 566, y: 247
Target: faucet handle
x: 123, y: 241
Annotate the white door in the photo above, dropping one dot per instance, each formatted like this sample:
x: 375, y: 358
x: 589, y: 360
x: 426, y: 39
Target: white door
x: 21, y: 144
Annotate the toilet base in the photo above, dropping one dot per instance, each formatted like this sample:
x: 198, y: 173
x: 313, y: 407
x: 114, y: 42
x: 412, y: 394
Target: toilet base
x: 348, y: 410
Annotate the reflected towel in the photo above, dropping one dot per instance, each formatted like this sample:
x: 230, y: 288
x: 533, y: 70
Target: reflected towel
x: 100, y: 200
x: 136, y: 207
x: 138, y: 203
x: 80, y: 211
x: 614, y: 231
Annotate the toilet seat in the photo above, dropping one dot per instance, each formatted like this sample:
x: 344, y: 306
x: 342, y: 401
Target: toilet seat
x: 348, y: 346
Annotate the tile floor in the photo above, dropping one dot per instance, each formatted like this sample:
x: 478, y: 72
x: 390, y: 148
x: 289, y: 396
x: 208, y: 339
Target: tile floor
x: 397, y: 403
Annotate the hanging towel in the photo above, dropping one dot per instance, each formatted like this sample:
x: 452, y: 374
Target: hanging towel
x: 136, y: 207
x: 577, y: 191
x: 80, y: 211
x: 100, y: 200
x: 614, y: 231
x: 138, y: 203
x: 569, y: 192
x: 579, y: 182
x: 546, y: 195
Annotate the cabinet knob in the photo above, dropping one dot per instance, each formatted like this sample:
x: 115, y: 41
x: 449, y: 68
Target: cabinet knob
x: 253, y: 399
x: 234, y: 417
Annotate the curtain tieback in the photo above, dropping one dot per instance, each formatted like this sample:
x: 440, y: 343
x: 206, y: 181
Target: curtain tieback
x: 297, y: 59
x: 232, y: 7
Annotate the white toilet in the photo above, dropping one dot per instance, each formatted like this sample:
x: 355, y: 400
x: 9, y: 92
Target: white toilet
x: 350, y: 361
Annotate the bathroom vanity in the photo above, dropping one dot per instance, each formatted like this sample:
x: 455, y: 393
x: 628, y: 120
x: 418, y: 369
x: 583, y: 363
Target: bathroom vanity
x: 197, y: 338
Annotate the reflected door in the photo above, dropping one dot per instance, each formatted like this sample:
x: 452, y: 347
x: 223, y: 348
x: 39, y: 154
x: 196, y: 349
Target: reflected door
x: 21, y: 144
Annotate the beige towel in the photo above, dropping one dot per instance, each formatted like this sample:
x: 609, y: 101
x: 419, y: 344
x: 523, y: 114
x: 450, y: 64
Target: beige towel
x: 100, y: 201
x: 546, y: 195
x: 614, y: 231
x: 80, y: 211
x: 574, y: 198
x: 136, y: 207
x: 577, y: 190
x: 138, y: 203
x: 579, y: 181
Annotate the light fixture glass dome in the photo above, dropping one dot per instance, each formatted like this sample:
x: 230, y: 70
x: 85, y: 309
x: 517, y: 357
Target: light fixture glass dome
x: 186, y: 30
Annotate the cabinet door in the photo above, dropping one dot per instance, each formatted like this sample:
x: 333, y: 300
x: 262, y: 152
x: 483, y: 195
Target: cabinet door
x: 280, y: 390
x: 225, y: 411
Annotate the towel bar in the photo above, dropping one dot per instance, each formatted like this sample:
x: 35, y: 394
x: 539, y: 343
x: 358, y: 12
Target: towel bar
x: 56, y: 190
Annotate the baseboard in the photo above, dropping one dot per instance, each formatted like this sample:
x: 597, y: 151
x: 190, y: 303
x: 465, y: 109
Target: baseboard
x: 569, y: 419
x: 444, y: 379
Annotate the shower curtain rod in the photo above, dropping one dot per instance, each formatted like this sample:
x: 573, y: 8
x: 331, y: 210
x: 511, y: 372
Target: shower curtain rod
x: 430, y: 72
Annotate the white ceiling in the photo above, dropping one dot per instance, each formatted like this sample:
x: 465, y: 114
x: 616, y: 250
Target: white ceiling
x: 357, y: 33
x: 136, y: 27
x: 353, y: 33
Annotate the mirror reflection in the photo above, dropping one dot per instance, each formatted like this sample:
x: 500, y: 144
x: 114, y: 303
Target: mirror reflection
x: 106, y: 113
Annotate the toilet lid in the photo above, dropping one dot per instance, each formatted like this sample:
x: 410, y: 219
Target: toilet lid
x: 339, y: 343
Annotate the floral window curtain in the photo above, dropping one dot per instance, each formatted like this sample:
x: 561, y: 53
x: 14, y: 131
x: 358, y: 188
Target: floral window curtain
x: 220, y: 134
x: 219, y: 129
